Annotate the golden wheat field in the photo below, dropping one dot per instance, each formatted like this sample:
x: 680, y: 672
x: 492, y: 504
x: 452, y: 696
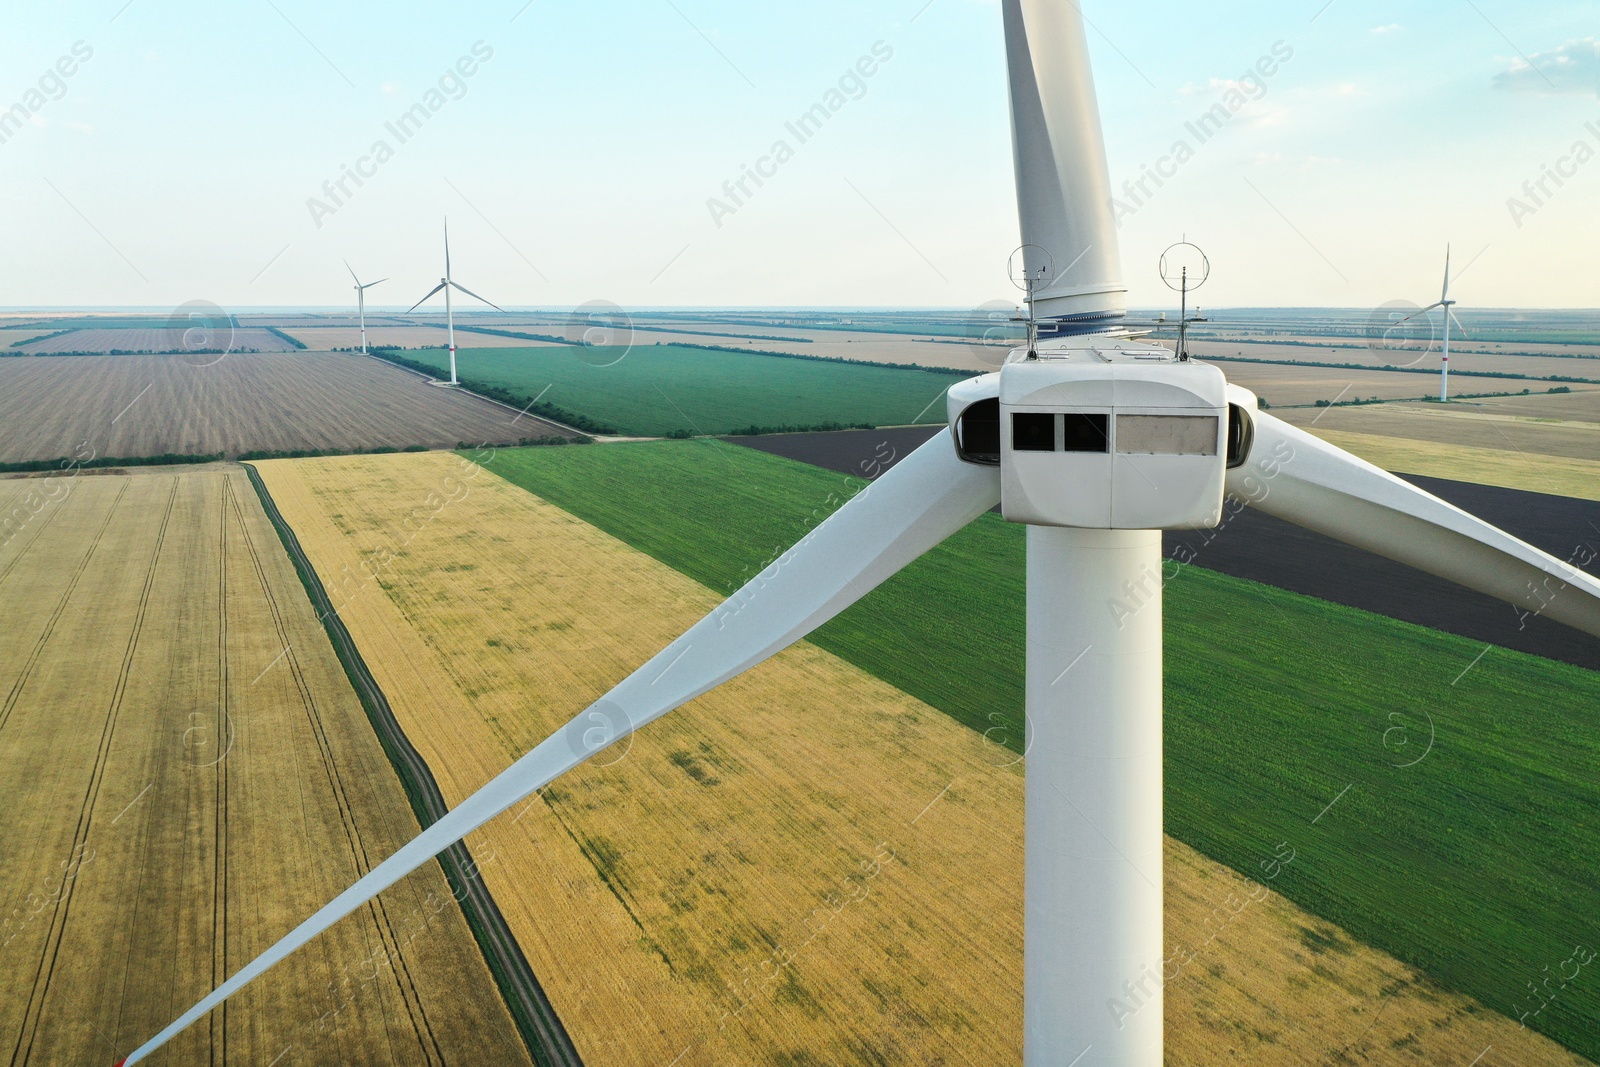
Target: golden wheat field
x: 803, y: 867
x: 186, y: 774
x: 1270, y: 984
x: 1462, y: 423
x: 1557, y: 475
x: 747, y: 881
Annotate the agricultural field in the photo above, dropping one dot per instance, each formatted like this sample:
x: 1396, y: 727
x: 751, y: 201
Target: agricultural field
x: 346, y: 318
x: 955, y: 343
x: 83, y: 407
x: 1289, y: 386
x: 1563, y: 329
x: 1482, y: 340
x: 151, y: 340
x: 56, y: 321
x: 327, y: 338
x: 657, y: 390
x: 890, y: 348
x: 1514, y: 470
x: 737, y: 322
x: 1272, y: 984
x: 1260, y: 548
x: 1571, y: 363
x: 1463, y: 422
x: 14, y: 336
x: 651, y: 894
x: 1577, y: 406
x: 804, y: 866
x: 186, y: 774
x: 1471, y: 865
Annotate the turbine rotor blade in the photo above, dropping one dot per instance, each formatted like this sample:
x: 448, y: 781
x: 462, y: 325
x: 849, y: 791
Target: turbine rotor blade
x: 352, y: 271
x: 380, y: 281
x: 1414, y: 314
x: 929, y: 496
x: 475, y: 296
x: 447, y: 248
x: 1446, y: 294
x: 1304, y: 480
x: 1460, y: 327
x: 1063, y: 182
x: 425, y: 299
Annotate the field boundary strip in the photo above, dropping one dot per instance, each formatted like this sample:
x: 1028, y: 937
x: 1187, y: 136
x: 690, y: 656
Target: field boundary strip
x: 541, y: 1029
x: 354, y: 842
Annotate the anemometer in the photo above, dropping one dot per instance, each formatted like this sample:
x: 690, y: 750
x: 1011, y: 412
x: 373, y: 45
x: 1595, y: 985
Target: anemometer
x: 1030, y: 279
x: 1185, y: 268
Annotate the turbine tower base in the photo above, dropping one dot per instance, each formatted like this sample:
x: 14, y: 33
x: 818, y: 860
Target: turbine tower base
x: 1093, y: 939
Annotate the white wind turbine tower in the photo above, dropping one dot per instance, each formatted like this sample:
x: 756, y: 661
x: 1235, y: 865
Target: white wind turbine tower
x: 1097, y: 443
x: 448, y: 283
x: 361, y: 302
x: 1449, y: 316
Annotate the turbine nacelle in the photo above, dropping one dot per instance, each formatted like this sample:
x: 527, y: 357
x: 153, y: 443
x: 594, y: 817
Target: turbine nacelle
x: 1100, y: 433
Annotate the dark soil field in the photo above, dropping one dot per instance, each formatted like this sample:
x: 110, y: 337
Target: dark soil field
x: 1264, y: 549
x: 82, y: 407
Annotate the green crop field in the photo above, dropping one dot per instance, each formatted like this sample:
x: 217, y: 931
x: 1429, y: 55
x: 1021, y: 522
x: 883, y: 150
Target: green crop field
x: 1289, y: 720
x: 655, y: 390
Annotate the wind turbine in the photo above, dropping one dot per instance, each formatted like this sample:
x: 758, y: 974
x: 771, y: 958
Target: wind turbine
x: 1097, y: 442
x: 1449, y: 315
x: 361, y: 302
x: 447, y: 283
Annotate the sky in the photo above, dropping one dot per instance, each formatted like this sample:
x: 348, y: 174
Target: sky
x: 193, y: 151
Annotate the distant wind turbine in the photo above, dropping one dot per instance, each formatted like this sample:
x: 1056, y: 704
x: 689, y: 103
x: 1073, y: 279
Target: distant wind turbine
x: 447, y: 283
x: 361, y: 302
x: 1449, y: 316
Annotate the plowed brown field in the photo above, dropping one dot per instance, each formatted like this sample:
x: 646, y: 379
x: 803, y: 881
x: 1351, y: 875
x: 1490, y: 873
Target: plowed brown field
x: 152, y: 339
x: 79, y: 407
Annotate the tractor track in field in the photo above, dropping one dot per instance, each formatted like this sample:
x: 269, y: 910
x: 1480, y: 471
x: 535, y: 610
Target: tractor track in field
x: 541, y: 1029
x: 38, y: 532
x: 420, y: 1024
x: 62, y: 912
x: 55, y: 616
